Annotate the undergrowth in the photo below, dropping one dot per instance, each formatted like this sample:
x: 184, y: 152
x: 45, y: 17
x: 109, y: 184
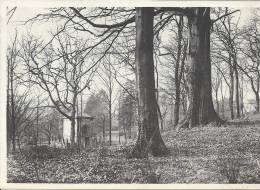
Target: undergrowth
x: 199, y: 155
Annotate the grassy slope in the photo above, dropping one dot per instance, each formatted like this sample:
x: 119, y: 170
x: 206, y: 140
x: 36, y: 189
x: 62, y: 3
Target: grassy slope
x: 199, y: 155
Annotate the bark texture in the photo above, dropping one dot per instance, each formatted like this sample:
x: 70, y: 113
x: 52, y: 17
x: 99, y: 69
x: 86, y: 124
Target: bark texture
x: 149, y: 137
x: 201, y: 110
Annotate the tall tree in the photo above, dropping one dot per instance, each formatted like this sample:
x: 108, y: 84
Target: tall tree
x: 11, y: 66
x: 251, y: 68
x: 201, y: 110
x: 60, y: 69
x: 176, y: 56
x: 149, y: 137
x: 228, y: 34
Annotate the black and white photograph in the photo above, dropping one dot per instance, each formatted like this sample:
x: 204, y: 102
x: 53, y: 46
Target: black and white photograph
x: 150, y: 94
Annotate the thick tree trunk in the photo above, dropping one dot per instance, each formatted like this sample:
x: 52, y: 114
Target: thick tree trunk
x: 72, y: 132
x: 73, y: 122
x: 201, y: 110
x: 149, y: 137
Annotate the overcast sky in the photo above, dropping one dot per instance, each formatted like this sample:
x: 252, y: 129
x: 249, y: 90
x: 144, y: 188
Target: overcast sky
x: 42, y: 29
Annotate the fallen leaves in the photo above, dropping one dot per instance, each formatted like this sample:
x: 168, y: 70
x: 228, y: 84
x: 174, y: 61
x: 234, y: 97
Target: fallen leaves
x: 197, y: 155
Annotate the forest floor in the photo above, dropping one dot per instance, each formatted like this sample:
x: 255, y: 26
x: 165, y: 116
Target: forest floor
x: 208, y: 154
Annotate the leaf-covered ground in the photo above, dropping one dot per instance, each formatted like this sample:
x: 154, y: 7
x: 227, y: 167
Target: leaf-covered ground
x: 206, y: 154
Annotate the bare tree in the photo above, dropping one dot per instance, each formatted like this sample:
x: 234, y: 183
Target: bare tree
x: 11, y: 64
x: 63, y: 72
x: 106, y: 74
x: 228, y: 34
x: 251, y: 68
x: 176, y: 53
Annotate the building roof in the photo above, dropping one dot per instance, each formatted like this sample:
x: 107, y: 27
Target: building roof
x: 84, y: 116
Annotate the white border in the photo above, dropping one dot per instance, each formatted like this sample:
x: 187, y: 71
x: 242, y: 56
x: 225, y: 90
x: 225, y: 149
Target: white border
x: 93, y: 3
x: 130, y: 3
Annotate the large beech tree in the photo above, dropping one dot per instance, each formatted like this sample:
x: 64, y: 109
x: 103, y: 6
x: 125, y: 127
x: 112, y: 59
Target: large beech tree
x: 149, y: 137
x: 201, y: 109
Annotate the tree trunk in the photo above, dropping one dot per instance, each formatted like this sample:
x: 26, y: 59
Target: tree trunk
x: 130, y: 126
x: 149, y: 137
x: 222, y: 99
x: 184, y: 106
x: 110, y: 103
x: 177, y: 106
x: 241, y: 96
x: 103, y: 129
x: 231, y: 90
x: 217, y: 102
x: 257, y: 103
x: 125, y: 135
x: 73, y: 122
x: 177, y: 77
x: 237, y: 88
x: 72, y: 132
x: 257, y: 94
x: 37, y: 121
x: 110, y: 119
x: 12, y: 107
x: 201, y: 109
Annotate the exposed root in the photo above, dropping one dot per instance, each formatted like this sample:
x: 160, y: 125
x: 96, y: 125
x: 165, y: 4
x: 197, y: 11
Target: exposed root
x: 142, y: 148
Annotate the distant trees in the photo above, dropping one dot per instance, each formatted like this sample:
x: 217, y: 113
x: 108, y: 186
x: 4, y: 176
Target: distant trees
x: 227, y: 46
x: 12, y: 54
x: 96, y: 106
x: 106, y: 73
x: 51, y: 125
x: 251, y: 50
x: 176, y: 54
x: 22, y: 117
x: 127, y: 109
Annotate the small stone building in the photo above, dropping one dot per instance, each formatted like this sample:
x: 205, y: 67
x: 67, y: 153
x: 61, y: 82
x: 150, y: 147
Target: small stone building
x: 82, y: 129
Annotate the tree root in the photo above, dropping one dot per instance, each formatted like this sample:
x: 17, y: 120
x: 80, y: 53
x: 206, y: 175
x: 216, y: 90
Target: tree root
x: 185, y: 123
